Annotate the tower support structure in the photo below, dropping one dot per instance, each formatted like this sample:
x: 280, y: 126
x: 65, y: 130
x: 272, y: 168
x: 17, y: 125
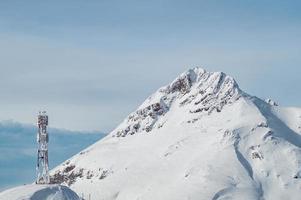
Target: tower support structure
x: 42, y: 140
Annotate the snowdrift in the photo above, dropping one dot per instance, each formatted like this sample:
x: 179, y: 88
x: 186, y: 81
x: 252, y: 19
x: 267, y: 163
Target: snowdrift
x: 39, y: 192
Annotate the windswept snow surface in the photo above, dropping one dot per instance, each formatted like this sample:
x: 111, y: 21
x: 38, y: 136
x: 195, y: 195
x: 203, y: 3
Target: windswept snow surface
x: 200, y: 137
x: 39, y: 192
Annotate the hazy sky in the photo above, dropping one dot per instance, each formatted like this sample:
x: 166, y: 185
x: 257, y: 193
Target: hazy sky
x: 90, y: 63
x: 18, y: 153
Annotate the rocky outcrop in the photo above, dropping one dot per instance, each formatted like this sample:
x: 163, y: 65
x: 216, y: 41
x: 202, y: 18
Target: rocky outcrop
x: 201, y: 91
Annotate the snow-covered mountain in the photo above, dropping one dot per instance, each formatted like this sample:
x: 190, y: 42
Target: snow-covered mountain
x: 200, y: 137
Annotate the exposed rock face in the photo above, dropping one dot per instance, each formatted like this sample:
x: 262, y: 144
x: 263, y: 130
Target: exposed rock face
x: 68, y: 175
x: 271, y: 102
x: 143, y: 119
x: 207, y: 91
x: 71, y: 174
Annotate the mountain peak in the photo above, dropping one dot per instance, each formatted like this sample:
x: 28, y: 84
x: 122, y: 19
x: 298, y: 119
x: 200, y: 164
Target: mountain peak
x: 200, y: 77
x: 196, y: 89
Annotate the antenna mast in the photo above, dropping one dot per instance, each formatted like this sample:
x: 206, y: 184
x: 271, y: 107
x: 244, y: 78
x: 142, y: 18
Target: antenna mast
x: 42, y: 139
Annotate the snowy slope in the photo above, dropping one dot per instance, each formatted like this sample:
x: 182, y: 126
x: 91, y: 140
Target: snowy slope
x: 200, y: 137
x: 39, y: 192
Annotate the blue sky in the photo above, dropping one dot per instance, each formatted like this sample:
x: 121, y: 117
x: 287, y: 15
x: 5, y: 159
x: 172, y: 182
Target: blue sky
x: 90, y: 63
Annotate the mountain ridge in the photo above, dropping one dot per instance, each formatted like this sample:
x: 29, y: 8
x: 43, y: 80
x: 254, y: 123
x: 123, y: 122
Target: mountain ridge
x: 199, y: 137
x: 211, y: 91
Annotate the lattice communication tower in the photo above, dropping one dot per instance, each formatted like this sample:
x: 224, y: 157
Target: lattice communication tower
x: 42, y: 139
